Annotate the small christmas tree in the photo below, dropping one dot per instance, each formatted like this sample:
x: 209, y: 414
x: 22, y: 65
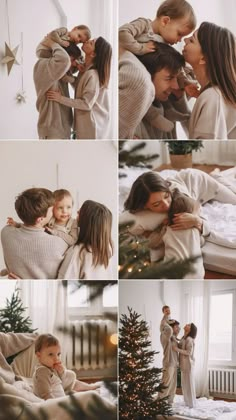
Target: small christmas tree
x: 134, y: 260
x: 139, y: 383
x: 12, y: 316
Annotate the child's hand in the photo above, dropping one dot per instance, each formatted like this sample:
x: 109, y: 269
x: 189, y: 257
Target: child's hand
x: 11, y: 221
x: 192, y: 90
x: 81, y: 67
x: 65, y: 43
x: 47, y: 229
x: 53, y: 95
x: 149, y: 47
x: 59, y: 367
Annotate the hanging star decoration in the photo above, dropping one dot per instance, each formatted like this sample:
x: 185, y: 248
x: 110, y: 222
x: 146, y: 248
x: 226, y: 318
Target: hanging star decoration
x: 10, y: 57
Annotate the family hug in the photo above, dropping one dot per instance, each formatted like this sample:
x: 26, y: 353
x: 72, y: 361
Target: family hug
x: 60, y: 63
x: 50, y: 244
x: 156, y: 82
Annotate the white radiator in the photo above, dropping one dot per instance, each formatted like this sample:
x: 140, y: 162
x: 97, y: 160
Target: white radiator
x: 222, y: 380
x: 91, y: 346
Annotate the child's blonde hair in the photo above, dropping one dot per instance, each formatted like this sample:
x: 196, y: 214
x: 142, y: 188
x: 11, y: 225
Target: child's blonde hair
x: 181, y: 203
x: 85, y: 29
x: 45, y: 340
x: 177, y: 9
x: 95, y: 221
x: 60, y: 194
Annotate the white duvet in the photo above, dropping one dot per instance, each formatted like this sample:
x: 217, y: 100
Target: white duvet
x: 206, y: 409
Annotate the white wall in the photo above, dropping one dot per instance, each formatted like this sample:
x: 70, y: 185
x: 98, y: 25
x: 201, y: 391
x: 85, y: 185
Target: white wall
x: 35, y: 20
x: 147, y: 298
x: 87, y: 169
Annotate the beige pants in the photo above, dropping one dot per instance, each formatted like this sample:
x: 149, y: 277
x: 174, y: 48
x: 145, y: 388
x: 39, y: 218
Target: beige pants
x: 169, y: 379
x: 188, y: 388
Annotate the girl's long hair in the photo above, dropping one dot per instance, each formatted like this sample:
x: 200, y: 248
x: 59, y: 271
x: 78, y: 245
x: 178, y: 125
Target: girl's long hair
x: 95, y: 222
x: 102, y: 60
x: 219, y: 49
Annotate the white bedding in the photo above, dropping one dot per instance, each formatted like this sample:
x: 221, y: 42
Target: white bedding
x: 206, y: 409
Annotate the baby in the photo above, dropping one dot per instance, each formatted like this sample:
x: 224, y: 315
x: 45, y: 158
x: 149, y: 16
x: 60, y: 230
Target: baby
x: 61, y: 224
x: 174, y: 19
x: 78, y: 35
x: 51, y: 379
x: 180, y: 244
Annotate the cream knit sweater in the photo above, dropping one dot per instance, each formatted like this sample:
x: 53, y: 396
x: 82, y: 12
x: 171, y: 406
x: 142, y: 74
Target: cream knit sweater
x: 31, y: 253
x: 55, y: 120
x: 136, y: 94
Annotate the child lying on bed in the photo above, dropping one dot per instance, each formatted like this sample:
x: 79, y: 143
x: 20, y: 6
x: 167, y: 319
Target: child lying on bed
x: 51, y: 379
x: 180, y: 244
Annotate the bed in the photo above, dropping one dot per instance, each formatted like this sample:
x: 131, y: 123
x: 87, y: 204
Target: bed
x: 218, y: 255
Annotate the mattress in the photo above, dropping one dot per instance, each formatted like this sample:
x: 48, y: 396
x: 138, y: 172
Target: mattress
x: 219, y: 258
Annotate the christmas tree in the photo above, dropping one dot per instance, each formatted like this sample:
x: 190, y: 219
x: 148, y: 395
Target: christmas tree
x: 139, y: 382
x: 129, y: 156
x: 134, y: 260
x: 12, y: 316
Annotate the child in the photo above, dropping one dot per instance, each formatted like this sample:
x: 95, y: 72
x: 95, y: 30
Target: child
x: 174, y: 20
x: 181, y: 244
x: 90, y: 258
x: 79, y: 34
x: 166, y: 316
x: 51, y: 379
x: 61, y: 224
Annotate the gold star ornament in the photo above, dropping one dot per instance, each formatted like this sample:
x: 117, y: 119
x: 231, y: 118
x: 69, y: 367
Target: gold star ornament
x: 10, y: 57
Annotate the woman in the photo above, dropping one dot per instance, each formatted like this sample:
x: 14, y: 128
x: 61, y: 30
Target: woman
x: 211, y: 51
x: 186, y: 361
x: 90, y: 258
x: 91, y: 116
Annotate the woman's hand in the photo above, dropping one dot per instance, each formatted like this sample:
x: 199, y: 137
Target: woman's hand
x: 53, y: 95
x: 186, y: 221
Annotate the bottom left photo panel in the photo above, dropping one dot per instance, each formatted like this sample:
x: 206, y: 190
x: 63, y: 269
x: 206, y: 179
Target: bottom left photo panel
x: 58, y: 349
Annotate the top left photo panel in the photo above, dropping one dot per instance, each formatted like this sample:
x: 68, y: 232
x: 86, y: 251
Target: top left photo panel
x: 58, y: 77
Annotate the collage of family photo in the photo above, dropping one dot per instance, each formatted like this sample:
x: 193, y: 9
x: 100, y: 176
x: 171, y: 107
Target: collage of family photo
x: 118, y: 210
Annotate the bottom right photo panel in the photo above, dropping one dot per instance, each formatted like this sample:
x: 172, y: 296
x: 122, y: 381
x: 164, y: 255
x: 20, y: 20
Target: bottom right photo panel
x: 177, y: 349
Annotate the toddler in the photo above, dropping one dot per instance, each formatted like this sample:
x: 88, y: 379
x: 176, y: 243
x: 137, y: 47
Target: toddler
x: 90, y: 258
x: 51, y: 379
x: 181, y: 244
x: 166, y: 317
x: 78, y: 35
x: 174, y: 20
x: 61, y: 224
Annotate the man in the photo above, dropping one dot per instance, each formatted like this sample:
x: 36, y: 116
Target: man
x: 55, y: 120
x: 168, y: 339
x: 139, y: 88
x: 30, y: 252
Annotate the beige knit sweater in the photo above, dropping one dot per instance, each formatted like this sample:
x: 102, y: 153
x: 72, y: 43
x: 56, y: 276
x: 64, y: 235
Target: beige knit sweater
x: 212, y: 117
x: 31, y: 253
x: 136, y: 94
x: 91, y: 107
x: 55, y: 120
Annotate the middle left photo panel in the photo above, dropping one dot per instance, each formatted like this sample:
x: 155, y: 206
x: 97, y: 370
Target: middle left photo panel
x: 59, y: 210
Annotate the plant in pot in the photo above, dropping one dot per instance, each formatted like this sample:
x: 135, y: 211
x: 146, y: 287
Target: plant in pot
x: 181, y: 152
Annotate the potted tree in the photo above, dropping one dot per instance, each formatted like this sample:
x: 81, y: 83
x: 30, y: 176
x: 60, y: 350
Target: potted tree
x: 181, y: 152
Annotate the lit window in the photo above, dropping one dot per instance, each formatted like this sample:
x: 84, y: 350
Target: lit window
x: 110, y: 296
x: 220, y: 340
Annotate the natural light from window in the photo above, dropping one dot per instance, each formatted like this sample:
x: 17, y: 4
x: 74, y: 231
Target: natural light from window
x: 110, y: 296
x: 78, y: 297
x: 7, y: 289
x: 220, y: 340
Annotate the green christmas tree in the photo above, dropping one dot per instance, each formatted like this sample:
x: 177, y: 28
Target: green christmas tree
x: 139, y: 382
x: 134, y: 260
x: 130, y: 156
x: 12, y: 316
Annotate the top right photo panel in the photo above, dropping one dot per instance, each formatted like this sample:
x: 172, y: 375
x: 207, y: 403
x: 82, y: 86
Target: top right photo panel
x: 177, y: 70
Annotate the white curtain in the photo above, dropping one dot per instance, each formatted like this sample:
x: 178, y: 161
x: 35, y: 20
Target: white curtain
x: 214, y: 151
x: 46, y: 302
x: 195, y: 308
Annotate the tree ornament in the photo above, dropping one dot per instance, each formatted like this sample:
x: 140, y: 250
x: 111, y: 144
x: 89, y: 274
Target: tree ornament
x: 10, y: 57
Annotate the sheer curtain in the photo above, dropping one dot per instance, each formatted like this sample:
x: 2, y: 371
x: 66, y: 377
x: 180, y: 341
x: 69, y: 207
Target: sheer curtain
x: 195, y: 308
x: 46, y: 302
x: 214, y: 151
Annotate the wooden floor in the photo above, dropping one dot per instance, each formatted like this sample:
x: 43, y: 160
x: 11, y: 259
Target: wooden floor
x: 204, y: 168
x: 213, y: 275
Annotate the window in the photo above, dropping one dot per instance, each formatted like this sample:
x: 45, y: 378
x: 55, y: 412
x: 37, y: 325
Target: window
x: 7, y: 288
x: 81, y: 303
x: 221, y: 328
